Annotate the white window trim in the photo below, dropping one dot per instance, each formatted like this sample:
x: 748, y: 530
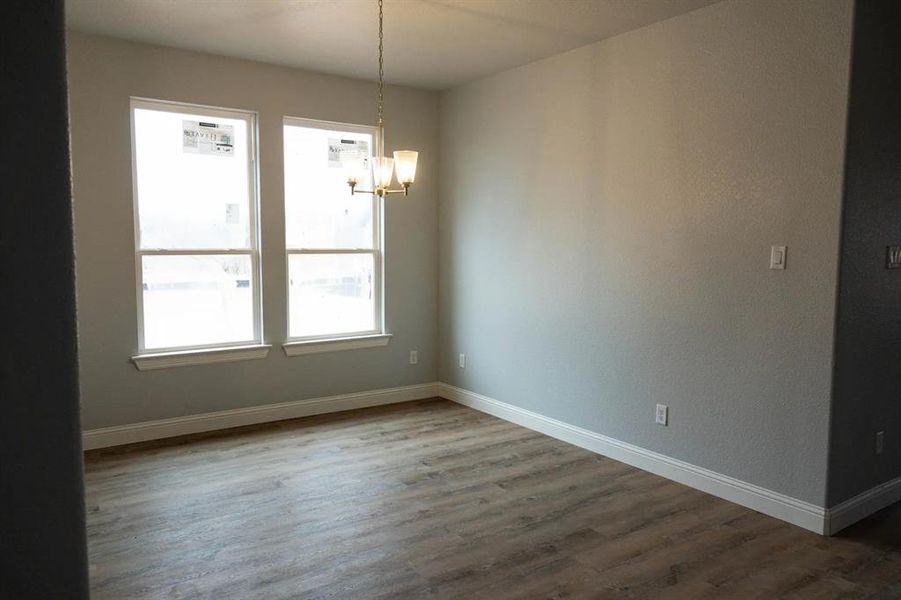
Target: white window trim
x: 157, y: 358
x: 296, y: 346
x: 165, y: 360
x: 336, y: 344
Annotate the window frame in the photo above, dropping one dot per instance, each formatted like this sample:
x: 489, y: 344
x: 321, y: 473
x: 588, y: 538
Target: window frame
x: 253, y: 251
x: 377, y: 251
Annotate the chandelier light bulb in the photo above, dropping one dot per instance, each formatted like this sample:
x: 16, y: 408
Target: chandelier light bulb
x: 405, y: 164
x: 382, y: 170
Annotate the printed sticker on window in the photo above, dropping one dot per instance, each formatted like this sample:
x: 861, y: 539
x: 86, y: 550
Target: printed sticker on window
x: 232, y: 214
x: 348, y: 153
x: 199, y: 137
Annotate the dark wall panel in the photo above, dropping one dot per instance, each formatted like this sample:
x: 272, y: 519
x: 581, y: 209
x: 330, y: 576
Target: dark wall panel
x: 42, y: 538
x: 867, y: 381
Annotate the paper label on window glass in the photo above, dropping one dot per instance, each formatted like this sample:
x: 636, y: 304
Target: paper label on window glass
x: 348, y: 153
x: 199, y: 137
x: 232, y: 214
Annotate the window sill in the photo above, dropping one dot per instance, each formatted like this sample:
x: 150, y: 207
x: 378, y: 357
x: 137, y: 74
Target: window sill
x: 336, y: 344
x: 165, y: 360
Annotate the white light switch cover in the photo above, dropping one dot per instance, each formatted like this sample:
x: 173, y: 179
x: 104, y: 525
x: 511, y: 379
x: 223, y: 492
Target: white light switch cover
x: 661, y: 415
x: 778, y: 256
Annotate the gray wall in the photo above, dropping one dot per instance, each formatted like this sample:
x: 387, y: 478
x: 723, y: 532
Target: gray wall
x: 43, y: 552
x: 605, y: 222
x: 103, y: 74
x: 867, y: 395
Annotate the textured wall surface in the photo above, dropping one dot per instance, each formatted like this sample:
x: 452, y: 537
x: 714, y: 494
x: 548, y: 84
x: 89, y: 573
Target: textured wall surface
x: 606, y: 217
x: 867, y: 395
x: 43, y: 552
x: 104, y: 73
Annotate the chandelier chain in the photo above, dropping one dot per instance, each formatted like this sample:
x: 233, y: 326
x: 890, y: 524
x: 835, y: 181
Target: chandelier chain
x: 381, y: 69
x: 383, y: 168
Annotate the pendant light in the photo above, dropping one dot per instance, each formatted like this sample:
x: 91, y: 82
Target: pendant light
x: 383, y: 168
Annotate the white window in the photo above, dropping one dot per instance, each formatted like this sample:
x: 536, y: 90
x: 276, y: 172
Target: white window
x: 196, y: 235
x: 333, y: 238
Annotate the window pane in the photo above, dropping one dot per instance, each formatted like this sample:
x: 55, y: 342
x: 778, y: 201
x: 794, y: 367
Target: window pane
x: 320, y: 212
x: 192, y: 180
x: 330, y: 294
x: 197, y: 300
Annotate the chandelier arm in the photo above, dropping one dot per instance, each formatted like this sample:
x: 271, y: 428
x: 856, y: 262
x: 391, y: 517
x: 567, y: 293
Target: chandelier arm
x: 403, y: 191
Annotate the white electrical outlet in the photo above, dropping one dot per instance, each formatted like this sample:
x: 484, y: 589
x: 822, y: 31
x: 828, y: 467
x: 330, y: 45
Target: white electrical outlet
x: 414, y: 357
x: 880, y: 442
x: 461, y: 361
x: 662, y: 415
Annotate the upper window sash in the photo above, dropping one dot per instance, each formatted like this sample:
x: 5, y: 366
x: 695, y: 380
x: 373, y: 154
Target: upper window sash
x: 188, y: 205
x: 320, y: 210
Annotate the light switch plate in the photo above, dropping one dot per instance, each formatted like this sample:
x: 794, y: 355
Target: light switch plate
x: 661, y: 416
x: 893, y: 257
x: 778, y: 256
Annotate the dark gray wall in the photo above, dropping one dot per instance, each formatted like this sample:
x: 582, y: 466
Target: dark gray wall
x: 867, y: 381
x: 606, y: 218
x: 42, y: 537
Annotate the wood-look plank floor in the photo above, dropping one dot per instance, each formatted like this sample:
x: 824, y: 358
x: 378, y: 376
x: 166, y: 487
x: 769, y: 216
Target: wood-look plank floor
x: 434, y: 500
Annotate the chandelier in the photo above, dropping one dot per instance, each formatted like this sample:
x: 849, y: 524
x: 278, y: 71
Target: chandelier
x: 383, y: 168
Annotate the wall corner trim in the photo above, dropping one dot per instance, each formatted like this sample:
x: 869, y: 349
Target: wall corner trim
x: 225, y: 419
x: 768, y: 502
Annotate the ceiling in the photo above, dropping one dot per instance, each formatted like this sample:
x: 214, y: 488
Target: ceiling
x: 428, y: 43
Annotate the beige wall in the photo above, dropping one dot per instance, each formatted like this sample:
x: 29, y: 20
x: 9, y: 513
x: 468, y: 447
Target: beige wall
x: 606, y: 221
x: 103, y: 74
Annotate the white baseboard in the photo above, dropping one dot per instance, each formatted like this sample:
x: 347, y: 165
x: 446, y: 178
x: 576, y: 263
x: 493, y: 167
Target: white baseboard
x: 768, y: 502
x: 863, y: 505
x: 164, y: 428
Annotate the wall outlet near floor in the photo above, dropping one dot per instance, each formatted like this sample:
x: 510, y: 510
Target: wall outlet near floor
x: 414, y: 357
x: 662, y: 415
x: 880, y: 442
x: 461, y: 361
